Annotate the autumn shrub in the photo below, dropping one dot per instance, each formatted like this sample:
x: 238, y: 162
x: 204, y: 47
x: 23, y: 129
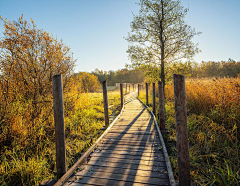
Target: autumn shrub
x: 213, y: 107
x: 213, y: 126
x: 29, y: 57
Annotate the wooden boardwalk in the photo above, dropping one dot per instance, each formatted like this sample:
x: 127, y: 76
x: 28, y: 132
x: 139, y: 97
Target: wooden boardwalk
x: 129, y: 154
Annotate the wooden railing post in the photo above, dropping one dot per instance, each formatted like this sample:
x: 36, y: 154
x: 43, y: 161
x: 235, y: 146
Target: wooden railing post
x: 181, y: 130
x: 59, y: 125
x: 126, y: 87
x: 105, y: 101
x: 154, y: 99
x: 161, y: 105
x: 138, y: 89
x: 121, y: 92
x: 146, y: 93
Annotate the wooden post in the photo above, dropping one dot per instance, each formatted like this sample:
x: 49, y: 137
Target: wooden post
x: 59, y: 125
x: 126, y: 87
x: 154, y: 100
x: 105, y: 101
x: 146, y: 93
x: 121, y: 92
x: 129, y: 88
x: 161, y: 105
x: 138, y: 89
x: 181, y: 130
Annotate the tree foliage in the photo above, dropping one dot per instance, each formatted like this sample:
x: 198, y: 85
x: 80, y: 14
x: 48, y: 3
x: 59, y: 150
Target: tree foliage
x: 29, y: 57
x: 119, y: 76
x: 159, y: 36
x: 87, y: 82
x: 230, y: 68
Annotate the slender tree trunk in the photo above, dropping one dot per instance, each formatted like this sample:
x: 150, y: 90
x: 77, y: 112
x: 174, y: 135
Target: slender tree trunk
x: 162, y: 46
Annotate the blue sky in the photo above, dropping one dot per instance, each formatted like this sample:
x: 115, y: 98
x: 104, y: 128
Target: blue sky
x: 94, y: 29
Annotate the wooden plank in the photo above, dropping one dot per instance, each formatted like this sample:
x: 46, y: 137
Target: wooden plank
x: 131, y: 167
x: 135, y: 131
x: 127, y: 158
x: 105, y: 182
x: 134, y: 123
x: 150, y: 127
x: 134, y: 128
x: 150, y: 162
x: 120, y: 177
x: 129, y: 164
x: 152, y: 174
x: 131, y: 139
x: 127, y: 147
x: 121, y: 148
x: 132, y: 132
x: 150, y: 136
x: 119, y: 141
x: 114, y: 153
x: 139, y: 119
x: 131, y: 154
x: 140, y: 143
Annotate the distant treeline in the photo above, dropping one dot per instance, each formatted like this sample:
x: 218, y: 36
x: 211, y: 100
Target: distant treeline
x: 119, y: 76
x: 228, y: 68
x: 89, y: 82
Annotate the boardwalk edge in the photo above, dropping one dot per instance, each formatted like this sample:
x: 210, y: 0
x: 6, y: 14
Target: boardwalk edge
x: 69, y: 173
x: 168, y: 163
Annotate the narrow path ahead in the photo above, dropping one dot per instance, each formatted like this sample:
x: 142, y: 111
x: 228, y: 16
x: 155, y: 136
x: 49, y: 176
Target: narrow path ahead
x: 130, y: 153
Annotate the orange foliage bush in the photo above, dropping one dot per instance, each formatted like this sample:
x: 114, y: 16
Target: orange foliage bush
x: 29, y: 57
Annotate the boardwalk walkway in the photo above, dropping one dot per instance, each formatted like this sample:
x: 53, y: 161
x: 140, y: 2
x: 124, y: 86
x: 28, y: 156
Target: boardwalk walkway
x: 130, y: 153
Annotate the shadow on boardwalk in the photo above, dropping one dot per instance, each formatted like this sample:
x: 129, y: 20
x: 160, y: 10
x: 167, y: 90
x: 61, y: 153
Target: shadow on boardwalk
x: 130, y: 154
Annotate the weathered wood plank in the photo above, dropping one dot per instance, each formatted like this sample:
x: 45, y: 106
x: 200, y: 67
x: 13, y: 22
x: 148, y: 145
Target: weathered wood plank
x: 134, y: 125
x: 130, y: 167
x: 145, y: 157
x: 130, y: 164
x: 140, y: 143
x: 152, y: 174
x: 134, y: 119
x: 131, y: 136
x: 149, y: 140
x: 120, y: 177
x: 133, y: 132
x: 132, y: 152
x: 127, y: 147
x: 145, y: 160
x: 108, y: 182
x: 119, y: 141
x: 150, y: 162
x: 136, y: 131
